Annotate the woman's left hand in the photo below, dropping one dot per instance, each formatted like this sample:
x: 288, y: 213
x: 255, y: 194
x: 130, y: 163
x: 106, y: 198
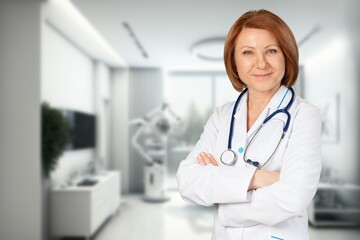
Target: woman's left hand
x: 206, y: 158
x: 263, y: 178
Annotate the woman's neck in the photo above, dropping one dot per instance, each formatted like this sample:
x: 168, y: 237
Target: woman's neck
x: 257, y: 101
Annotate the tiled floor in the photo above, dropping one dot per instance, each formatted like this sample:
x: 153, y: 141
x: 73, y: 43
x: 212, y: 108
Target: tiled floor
x: 172, y: 220
x: 176, y: 219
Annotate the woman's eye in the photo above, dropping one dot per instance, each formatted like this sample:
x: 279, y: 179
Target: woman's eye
x: 247, y: 52
x: 272, y: 51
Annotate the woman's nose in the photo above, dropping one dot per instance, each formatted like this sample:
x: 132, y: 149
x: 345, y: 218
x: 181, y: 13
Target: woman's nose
x: 260, y: 61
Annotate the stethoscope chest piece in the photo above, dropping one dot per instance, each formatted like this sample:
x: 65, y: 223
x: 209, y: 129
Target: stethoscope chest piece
x: 228, y: 157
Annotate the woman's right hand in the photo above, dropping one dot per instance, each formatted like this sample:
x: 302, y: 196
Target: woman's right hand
x: 263, y: 178
x: 206, y: 158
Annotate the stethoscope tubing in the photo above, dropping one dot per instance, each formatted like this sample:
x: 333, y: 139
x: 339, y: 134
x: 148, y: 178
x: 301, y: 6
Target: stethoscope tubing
x: 285, y: 128
x: 233, y: 117
x: 284, y: 110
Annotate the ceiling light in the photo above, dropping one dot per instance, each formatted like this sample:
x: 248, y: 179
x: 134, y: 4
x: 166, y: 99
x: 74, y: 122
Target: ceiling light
x: 209, y: 49
x: 312, y: 32
x: 135, y: 39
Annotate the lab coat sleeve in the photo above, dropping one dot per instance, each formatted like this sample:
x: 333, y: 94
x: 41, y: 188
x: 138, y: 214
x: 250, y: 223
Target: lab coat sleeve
x: 299, y: 177
x: 206, y: 185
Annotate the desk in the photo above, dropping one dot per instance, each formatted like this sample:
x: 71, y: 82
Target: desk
x: 335, y: 205
x: 80, y: 210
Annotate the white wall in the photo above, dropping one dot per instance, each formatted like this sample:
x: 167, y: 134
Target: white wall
x: 67, y: 73
x: 69, y: 20
x: 20, y: 164
x: 120, y: 125
x: 145, y: 93
x: 328, y: 71
x: 76, y: 69
x: 32, y: 69
x: 102, y: 101
x: 67, y: 83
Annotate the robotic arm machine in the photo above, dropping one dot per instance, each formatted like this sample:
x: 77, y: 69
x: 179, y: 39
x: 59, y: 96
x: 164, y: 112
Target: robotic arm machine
x: 157, y: 123
x: 149, y: 140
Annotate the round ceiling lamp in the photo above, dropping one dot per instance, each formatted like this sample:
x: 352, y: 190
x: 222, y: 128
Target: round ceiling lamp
x: 209, y: 49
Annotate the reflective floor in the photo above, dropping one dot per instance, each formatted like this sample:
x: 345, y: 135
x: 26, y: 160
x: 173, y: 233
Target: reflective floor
x: 176, y: 219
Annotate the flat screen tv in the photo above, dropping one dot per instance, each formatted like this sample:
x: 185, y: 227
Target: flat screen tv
x: 82, y: 130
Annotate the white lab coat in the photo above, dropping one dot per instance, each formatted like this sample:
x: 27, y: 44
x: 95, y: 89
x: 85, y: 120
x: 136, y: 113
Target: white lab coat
x: 277, y: 211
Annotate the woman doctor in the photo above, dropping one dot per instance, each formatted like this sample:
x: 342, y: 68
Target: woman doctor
x: 258, y: 159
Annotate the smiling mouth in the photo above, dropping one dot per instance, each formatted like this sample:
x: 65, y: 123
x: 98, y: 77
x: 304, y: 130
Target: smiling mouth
x: 262, y: 75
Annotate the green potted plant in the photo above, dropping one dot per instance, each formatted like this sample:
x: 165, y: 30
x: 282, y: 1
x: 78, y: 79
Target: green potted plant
x: 54, y: 136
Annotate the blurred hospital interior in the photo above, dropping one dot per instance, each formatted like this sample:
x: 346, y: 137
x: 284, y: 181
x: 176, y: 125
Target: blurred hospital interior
x: 135, y: 82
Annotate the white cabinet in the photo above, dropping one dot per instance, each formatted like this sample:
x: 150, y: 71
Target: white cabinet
x: 80, y: 210
x: 335, y: 205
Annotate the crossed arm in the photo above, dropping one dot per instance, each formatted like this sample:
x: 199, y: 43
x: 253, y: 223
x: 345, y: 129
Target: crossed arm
x: 261, y: 178
x: 247, y: 196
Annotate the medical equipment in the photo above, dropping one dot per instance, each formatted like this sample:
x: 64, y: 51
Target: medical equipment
x: 228, y: 157
x: 150, y: 141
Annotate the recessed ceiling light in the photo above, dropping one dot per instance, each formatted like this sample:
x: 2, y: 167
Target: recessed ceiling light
x: 209, y: 49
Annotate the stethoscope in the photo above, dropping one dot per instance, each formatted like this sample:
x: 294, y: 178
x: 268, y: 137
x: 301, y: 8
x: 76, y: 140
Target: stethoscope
x: 228, y: 157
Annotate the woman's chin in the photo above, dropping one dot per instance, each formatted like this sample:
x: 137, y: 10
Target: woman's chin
x: 264, y: 88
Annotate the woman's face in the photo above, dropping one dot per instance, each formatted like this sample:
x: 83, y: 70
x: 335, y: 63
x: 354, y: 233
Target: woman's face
x: 259, y: 60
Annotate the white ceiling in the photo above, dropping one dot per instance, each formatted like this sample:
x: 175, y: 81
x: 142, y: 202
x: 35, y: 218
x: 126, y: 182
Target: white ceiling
x: 167, y: 29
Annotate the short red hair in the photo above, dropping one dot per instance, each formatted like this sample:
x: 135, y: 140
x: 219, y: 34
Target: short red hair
x: 263, y: 19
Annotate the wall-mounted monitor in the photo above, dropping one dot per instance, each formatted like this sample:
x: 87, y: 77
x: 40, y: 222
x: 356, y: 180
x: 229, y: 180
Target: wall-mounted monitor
x: 82, y: 130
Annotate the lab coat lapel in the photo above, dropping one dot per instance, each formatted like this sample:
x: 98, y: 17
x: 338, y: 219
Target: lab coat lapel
x: 240, y: 128
x: 258, y: 121
x: 270, y: 108
x: 279, y: 100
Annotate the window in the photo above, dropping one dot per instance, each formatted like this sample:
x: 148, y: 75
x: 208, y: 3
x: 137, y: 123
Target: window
x: 193, y: 96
